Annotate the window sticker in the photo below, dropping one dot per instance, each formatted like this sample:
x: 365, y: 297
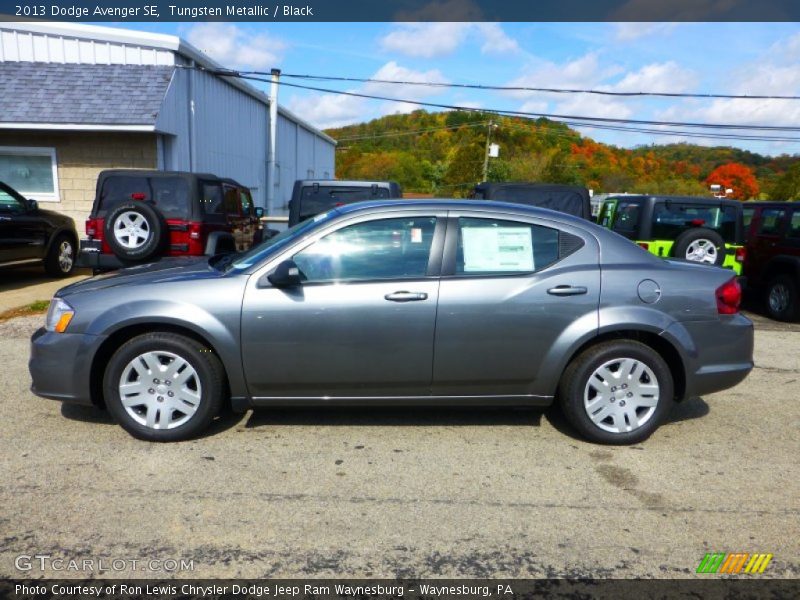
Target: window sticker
x: 416, y: 235
x: 494, y: 249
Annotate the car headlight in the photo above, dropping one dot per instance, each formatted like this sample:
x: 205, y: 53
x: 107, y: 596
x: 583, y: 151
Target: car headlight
x: 58, y: 315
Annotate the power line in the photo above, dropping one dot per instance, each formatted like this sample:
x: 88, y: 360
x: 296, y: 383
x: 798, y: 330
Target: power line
x: 505, y: 88
x: 614, y: 124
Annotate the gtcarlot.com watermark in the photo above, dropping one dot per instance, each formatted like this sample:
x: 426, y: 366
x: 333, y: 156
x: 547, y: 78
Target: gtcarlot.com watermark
x: 48, y: 562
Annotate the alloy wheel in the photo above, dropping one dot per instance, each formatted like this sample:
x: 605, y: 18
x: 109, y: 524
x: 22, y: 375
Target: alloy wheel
x: 778, y: 298
x: 621, y: 395
x: 131, y: 230
x: 65, y: 256
x: 702, y: 250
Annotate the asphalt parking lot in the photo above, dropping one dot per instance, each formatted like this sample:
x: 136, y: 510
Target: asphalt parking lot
x: 396, y: 492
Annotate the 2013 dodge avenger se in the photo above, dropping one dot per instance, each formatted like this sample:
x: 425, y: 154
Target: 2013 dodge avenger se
x: 421, y: 302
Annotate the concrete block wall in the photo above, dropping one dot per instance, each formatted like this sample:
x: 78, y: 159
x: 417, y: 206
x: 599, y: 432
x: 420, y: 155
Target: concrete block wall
x: 80, y: 157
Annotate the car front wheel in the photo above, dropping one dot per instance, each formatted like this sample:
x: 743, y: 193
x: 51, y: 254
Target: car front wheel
x: 60, y: 261
x: 617, y: 392
x: 164, y: 387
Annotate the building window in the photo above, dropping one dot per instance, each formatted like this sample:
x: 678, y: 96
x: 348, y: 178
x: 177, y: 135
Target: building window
x: 31, y: 171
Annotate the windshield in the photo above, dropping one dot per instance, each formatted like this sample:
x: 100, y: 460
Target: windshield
x: 259, y: 253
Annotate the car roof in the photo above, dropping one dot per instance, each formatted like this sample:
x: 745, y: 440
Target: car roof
x: 344, y: 182
x: 155, y: 173
x: 462, y: 204
x: 682, y: 199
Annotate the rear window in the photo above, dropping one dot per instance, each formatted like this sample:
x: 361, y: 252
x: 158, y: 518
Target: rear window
x: 316, y: 199
x: 169, y: 194
x: 673, y: 218
x: 626, y: 218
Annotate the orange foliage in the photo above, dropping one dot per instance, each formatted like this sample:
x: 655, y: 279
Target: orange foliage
x: 736, y: 176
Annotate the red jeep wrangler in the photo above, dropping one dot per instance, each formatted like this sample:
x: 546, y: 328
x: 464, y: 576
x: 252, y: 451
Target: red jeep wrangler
x: 773, y: 255
x: 140, y: 216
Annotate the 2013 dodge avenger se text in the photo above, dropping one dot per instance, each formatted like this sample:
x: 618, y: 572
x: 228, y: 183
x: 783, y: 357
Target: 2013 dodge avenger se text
x: 416, y: 302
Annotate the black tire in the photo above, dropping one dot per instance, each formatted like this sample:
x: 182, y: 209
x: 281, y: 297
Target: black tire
x: 56, y: 263
x: 156, y: 230
x: 782, y: 298
x: 207, y: 369
x: 576, y: 379
x: 684, y: 240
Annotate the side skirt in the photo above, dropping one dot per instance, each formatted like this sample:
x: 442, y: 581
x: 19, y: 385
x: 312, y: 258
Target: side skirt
x: 396, y: 401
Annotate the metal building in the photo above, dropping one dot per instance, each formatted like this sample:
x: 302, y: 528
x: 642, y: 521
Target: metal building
x: 78, y: 99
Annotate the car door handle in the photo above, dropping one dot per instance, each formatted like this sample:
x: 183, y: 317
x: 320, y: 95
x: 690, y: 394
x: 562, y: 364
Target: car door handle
x: 567, y: 290
x: 406, y: 296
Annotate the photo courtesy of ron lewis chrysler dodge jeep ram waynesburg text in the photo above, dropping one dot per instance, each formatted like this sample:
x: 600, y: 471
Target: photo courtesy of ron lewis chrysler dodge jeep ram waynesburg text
x: 401, y: 303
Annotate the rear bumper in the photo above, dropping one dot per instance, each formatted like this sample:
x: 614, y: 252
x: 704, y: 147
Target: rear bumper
x: 60, y: 365
x: 92, y: 257
x: 719, y: 353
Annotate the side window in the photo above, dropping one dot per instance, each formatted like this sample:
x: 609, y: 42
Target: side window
x: 794, y: 224
x: 491, y: 246
x: 9, y: 204
x: 211, y: 198
x: 231, y: 201
x: 246, y: 201
x: 771, y: 219
x: 606, y: 213
x: 374, y: 250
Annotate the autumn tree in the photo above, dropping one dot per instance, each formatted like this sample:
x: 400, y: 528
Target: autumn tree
x: 735, y: 176
x: 787, y: 187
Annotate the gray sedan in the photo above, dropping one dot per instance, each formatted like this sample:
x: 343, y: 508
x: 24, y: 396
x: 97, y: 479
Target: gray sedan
x: 402, y: 303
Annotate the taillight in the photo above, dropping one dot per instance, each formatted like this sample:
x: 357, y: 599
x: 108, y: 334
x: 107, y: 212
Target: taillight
x: 138, y: 196
x: 644, y: 245
x: 194, y: 230
x: 91, y: 228
x: 741, y: 254
x: 698, y: 222
x: 729, y: 296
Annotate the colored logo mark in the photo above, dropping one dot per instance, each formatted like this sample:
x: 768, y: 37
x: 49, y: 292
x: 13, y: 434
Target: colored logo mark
x: 734, y: 562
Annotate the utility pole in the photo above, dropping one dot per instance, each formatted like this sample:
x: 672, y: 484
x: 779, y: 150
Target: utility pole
x: 491, y: 126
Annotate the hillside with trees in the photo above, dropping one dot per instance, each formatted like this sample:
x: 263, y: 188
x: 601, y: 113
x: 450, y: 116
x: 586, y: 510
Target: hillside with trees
x: 443, y: 154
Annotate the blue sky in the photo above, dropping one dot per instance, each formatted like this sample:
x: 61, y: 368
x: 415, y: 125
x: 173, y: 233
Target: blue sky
x: 740, y: 58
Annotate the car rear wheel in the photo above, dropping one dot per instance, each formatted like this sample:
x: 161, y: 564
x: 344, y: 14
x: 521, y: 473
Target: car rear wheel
x: 783, y: 299
x: 135, y: 231
x: 617, y: 392
x: 60, y: 261
x: 700, y: 245
x: 164, y: 387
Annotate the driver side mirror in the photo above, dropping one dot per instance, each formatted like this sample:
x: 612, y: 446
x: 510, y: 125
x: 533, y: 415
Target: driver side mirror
x: 285, y: 275
x: 32, y: 205
x: 259, y: 211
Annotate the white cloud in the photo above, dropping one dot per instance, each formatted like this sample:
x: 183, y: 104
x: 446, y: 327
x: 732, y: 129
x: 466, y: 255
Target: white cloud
x: 496, y: 41
x: 429, y: 40
x: 626, y: 32
x: 234, y: 47
x: 333, y: 110
x: 392, y: 71
x: 657, y: 77
x: 329, y: 110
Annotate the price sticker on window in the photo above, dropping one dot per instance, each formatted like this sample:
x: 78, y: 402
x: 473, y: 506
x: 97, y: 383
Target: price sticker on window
x: 497, y: 249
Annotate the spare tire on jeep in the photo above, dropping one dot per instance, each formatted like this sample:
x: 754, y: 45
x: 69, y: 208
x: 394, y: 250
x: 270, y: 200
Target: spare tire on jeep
x: 135, y: 231
x: 700, y: 245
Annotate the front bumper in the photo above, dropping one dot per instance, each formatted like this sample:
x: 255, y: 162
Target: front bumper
x: 60, y: 365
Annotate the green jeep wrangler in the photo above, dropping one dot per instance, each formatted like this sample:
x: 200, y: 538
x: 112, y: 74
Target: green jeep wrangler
x: 707, y: 230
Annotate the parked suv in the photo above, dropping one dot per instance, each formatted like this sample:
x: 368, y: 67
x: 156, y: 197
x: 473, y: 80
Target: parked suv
x: 30, y: 235
x: 140, y: 215
x: 773, y: 256
x: 707, y: 230
x: 569, y: 199
x: 311, y: 197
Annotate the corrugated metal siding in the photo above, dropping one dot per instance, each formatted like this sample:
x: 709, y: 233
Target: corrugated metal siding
x: 230, y: 130
x: 41, y: 47
x: 301, y: 154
